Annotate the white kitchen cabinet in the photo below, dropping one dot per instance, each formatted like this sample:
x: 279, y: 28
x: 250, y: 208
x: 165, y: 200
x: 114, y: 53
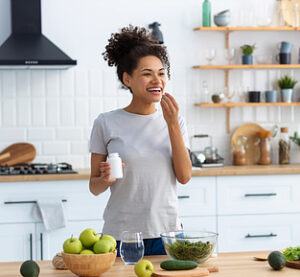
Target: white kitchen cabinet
x: 17, y: 242
x: 258, y: 232
x: 50, y: 243
x: 198, y: 197
x: 258, y: 194
x: 18, y: 205
x: 258, y: 212
x: 199, y: 223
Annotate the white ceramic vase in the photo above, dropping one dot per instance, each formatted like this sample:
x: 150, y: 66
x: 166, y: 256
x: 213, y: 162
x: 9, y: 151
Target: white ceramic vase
x: 287, y: 95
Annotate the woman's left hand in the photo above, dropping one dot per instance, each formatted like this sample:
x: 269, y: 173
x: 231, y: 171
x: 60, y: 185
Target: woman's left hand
x: 170, y: 109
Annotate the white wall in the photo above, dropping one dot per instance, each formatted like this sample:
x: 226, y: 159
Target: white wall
x: 55, y: 109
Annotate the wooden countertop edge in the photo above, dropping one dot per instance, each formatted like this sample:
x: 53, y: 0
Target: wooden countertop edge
x: 248, y: 170
x: 84, y: 174
x: 229, y: 264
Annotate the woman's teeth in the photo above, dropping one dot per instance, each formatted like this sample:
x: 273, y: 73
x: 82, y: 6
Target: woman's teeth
x: 154, y: 90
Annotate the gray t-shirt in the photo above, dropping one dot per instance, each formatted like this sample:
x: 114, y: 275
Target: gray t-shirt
x: 145, y: 200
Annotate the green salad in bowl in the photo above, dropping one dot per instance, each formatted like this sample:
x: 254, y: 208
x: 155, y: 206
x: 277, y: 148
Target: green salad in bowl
x: 193, y: 246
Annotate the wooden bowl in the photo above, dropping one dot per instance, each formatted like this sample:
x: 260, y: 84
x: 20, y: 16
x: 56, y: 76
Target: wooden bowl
x: 89, y: 265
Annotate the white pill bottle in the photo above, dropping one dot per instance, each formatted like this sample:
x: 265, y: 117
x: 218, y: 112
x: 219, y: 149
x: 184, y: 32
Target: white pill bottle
x: 116, y: 170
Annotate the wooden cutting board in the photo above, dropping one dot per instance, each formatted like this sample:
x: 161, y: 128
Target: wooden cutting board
x: 293, y: 264
x: 288, y: 10
x: 197, y: 272
x: 17, y: 153
x: 248, y: 131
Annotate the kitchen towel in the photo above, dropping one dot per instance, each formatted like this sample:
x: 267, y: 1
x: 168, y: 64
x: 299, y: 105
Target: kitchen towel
x: 52, y: 213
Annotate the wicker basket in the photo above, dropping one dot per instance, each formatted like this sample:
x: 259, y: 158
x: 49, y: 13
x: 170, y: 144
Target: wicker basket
x: 89, y: 265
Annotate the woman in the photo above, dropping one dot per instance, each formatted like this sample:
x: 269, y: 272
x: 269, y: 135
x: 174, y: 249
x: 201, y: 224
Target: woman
x: 152, y: 144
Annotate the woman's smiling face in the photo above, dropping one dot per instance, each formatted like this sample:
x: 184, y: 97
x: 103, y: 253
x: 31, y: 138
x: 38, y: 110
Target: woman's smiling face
x: 147, y: 81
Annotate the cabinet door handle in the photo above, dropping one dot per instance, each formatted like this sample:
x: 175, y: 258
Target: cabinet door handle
x: 248, y: 236
x: 260, y: 194
x: 30, y: 240
x: 42, y: 246
x: 183, y: 196
x: 26, y: 202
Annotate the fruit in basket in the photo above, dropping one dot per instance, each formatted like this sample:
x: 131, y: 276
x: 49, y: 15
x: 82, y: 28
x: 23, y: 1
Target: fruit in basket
x: 72, y: 246
x: 111, y: 239
x: 89, y: 237
x: 30, y: 269
x: 87, y: 252
x: 144, y: 268
x: 103, y: 246
x: 276, y: 260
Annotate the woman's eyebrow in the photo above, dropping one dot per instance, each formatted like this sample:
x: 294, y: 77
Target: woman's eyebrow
x: 148, y: 69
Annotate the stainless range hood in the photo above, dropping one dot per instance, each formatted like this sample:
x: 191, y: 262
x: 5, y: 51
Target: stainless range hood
x: 27, y: 47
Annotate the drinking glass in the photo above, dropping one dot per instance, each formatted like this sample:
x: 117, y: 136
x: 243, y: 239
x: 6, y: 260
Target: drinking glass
x: 210, y: 54
x: 131, y: 247
x: 229, y: 54
x: 229, y: 93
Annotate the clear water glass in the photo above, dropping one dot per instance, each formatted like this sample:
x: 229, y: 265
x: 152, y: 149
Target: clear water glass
x: 131, y: 247
x: 210, y: 54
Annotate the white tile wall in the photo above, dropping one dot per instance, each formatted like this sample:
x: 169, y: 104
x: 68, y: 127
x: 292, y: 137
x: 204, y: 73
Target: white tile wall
x: 55, y: 109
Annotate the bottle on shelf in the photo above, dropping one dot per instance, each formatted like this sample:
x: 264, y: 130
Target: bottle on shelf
x: 284, y: 146
x: 205, y: 91
x: 206, y: 13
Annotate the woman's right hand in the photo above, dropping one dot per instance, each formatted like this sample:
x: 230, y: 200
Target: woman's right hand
x: 105, y: 174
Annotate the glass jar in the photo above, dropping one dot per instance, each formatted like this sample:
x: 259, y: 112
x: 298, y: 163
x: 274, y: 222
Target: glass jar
x: 284, y: 146
x: 265, y: 151
x: 239, y: 151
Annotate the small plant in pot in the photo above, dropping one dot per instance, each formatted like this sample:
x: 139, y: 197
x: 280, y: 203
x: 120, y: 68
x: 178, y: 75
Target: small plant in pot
x: 247, y: 51
x: 286, y: 85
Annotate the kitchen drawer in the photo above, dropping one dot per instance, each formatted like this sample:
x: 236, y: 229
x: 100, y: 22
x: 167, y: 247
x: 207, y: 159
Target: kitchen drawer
x: 18, y: 200
x: 258, y: 194
x: 199, y: 223
x: 259, y: 232
x: 198, y: 197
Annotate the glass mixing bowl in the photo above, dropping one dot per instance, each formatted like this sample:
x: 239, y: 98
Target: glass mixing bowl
x: 194, y: 246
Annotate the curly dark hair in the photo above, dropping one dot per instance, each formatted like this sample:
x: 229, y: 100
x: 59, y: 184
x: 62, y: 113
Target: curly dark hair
x: 126, y: 48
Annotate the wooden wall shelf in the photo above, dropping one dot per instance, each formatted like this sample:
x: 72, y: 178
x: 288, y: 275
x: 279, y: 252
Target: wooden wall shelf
x: 247, y: 28
x: 246, y: 104
x: 229, y: 105
x: 227, y: 67
x: 246, y: 66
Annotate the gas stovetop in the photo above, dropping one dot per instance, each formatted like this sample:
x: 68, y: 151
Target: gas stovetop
x: 37, y: 168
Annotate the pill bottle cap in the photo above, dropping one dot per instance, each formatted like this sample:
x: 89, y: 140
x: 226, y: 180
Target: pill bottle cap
x: 113, y: 155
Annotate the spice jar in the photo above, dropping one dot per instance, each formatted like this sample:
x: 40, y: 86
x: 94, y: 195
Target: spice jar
x: 265, y: 151
x: 284, y: 146
x: 239, y: 151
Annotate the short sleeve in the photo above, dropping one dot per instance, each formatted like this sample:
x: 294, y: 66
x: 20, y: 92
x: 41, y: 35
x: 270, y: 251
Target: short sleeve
x: 184, y: 131
x: 97, y: 139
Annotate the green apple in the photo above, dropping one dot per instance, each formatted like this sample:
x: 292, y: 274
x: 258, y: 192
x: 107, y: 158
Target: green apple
x: 144, y: 268
x: 88, y: 237
x: 111, y: 239
x: 87, y: 252
x: 72, y: 246
x: 103, y: 246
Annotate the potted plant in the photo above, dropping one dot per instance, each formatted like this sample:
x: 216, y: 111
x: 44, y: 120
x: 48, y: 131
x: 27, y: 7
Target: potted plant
x: 247, y: 51
x: 286, y: 84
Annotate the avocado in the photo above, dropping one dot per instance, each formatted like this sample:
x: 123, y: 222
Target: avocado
x: 276, y: 260
x: 178, y: 265
x: 30, y: 269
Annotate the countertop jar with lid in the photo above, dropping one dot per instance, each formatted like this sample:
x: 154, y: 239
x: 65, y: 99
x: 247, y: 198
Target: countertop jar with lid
x: 265, y: 148
x: 284, y: 146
